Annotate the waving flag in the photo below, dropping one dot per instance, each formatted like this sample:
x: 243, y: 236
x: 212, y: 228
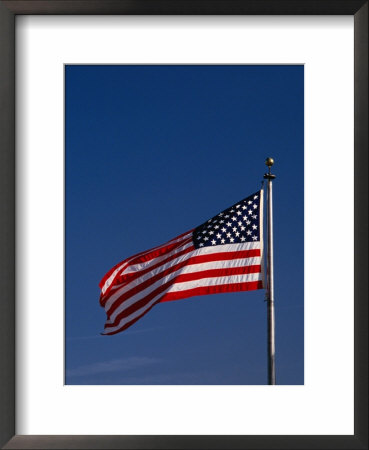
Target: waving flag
x: 224, y: 254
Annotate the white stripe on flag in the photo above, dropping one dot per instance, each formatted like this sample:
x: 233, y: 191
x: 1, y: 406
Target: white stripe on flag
x: 186, y: 286
x: 188, y: 269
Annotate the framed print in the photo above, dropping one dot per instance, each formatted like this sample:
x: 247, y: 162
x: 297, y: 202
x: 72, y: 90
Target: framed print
x: 182, y: 87
x: 196, y: 112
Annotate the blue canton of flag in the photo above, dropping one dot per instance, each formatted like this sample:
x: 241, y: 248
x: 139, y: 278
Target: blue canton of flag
x: 238, y: 224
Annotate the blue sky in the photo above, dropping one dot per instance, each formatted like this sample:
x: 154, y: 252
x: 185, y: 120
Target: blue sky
x: 150, y: 152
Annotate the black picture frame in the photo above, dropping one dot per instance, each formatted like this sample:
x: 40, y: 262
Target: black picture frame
x: 8, y: 11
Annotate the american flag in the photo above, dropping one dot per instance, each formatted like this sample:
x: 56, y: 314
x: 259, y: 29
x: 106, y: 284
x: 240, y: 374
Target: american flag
x: 224, y: 254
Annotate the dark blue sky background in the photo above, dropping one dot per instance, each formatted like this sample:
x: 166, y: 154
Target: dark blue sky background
x: 150, y: 152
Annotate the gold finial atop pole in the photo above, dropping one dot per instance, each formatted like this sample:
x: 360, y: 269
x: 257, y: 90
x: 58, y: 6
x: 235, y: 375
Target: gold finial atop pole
x: 269, y: 162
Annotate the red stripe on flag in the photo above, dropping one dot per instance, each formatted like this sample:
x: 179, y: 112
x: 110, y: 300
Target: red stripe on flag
x: 225, y: 272
x: 247, y: 286
x: 219, y: 289
x: 199, y: 259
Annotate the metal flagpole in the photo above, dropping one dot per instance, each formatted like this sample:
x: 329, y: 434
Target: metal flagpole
x: 270, y: 277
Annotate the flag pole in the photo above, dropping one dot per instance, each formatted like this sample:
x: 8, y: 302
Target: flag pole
x: 270, y: 277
